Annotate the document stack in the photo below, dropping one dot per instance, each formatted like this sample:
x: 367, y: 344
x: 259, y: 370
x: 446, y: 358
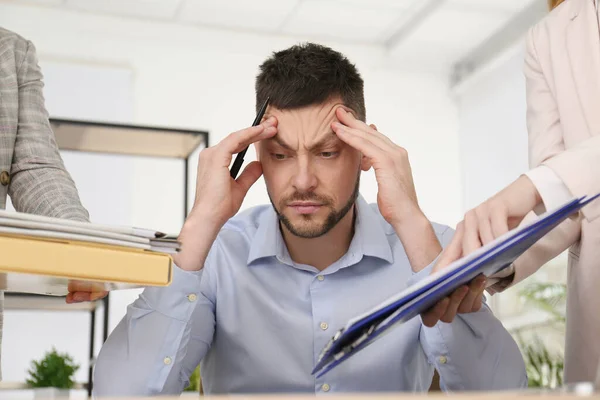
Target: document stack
x: 43, y: 254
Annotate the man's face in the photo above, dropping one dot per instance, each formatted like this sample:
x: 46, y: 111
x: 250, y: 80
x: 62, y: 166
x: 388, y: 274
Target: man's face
x: 311, y: 176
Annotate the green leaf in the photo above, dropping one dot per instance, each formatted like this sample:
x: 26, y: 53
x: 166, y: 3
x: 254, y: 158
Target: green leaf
x: 548, y: 297
x: 194, y: 385
x: 54, y: 370
x: 544, y: 370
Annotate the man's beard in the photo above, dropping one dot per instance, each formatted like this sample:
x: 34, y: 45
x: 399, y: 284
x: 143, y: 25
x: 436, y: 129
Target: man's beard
x: 331, y: 221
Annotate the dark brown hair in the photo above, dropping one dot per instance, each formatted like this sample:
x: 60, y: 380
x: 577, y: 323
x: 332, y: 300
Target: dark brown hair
x: 309, y: 74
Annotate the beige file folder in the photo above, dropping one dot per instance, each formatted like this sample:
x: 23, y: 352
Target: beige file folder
x: 24, y: 259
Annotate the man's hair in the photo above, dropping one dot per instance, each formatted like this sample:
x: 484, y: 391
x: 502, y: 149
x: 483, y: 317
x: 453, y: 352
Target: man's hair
x: 309, y: 74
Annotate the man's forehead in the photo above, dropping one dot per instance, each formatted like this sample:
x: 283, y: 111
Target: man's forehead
x: 327, y: 108
x: 293, y: 141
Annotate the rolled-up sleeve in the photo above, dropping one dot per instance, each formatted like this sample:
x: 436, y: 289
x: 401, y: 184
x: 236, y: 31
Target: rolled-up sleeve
x: 161, y: 339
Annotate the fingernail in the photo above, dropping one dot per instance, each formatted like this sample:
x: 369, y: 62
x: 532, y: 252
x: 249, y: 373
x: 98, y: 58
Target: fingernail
x: 78, y: 297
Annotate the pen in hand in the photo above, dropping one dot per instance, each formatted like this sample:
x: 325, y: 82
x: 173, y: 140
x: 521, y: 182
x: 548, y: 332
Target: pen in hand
x: 239, y: 159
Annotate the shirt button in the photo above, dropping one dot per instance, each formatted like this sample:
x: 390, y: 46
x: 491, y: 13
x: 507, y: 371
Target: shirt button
x: 167, y: 360
x: 325, y: 387
x: 192, y: 297
x: 321, y: 277
x: 324, y: 326
x: 443, y: 360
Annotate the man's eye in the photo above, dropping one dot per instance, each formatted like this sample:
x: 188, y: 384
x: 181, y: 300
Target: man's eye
x: 329, y: 154
x: 278, y: 156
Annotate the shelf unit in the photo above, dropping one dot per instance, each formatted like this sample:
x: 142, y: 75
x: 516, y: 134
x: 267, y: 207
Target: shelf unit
x: 107, y: 138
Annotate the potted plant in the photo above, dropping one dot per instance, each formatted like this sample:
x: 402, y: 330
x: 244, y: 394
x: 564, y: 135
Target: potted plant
x: 544, y: 367
x: 52, y: 376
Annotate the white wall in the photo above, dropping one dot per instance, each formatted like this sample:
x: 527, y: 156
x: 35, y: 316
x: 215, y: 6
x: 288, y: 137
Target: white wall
x: 493, y: 131
x: 203, y: 79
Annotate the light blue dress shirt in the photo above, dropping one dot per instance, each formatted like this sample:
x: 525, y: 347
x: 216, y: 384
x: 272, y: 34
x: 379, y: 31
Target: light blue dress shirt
x: 257, y: 321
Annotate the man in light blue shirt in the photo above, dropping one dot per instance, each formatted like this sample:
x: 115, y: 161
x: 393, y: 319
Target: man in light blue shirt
x: 255, y: 297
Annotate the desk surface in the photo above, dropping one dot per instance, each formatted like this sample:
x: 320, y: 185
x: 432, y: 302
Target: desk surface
x: 454, y: 396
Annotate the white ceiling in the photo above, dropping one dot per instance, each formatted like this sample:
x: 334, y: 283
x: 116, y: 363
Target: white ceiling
x: 441, y: 31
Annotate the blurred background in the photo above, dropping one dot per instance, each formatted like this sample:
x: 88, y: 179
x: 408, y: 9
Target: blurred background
x: 443, y: 78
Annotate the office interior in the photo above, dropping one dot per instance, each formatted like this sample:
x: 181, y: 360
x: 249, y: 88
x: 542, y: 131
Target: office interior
x: 443, y: 78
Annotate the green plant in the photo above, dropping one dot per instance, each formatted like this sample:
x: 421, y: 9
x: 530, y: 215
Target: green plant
x: 54, y: 370
x: 194, y: 385
x: 544, y: 369
x: 548, y: 297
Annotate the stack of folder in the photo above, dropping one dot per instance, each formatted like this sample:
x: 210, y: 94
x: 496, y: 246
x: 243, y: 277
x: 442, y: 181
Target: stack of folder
x: 43, y: 254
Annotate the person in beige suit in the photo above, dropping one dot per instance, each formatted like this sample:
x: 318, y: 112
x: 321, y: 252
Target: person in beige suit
x: 31, y: 169
x: 562, y: 69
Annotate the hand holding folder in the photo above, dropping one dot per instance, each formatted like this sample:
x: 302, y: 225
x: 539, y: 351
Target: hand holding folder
x: 467, y: 298
x: 364, y: 329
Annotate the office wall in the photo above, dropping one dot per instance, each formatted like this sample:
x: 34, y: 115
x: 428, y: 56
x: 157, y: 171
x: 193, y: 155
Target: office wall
x: 493, y: 131
x: 201, y: 79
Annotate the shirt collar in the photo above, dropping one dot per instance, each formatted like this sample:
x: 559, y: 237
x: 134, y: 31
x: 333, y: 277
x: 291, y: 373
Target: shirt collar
x: 369, y: 239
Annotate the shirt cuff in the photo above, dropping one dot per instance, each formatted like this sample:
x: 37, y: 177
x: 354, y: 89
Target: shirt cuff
x: 422, y: 274
x: 177, y: 300
x: 551, y: 188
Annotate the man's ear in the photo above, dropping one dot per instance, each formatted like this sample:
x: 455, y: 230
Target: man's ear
x: 373, y: 126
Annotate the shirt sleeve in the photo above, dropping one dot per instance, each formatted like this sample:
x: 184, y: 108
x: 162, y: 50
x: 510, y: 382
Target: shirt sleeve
x: 160, y: 341
x: 474, y: 352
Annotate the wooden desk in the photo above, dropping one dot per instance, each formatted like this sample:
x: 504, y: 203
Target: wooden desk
x: 454, y: 396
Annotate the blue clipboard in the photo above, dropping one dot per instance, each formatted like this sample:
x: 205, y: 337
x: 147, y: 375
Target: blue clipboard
x: 490, y: 259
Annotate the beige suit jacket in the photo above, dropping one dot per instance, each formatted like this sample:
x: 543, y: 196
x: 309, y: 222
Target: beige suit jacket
x: 562, y: 69
x: 31, y: 169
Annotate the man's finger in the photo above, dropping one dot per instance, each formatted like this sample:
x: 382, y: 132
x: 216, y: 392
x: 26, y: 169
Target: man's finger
x: 455, y: 299
x: 249, y: 176
x: 381, y: 145
x: 238, y: 141
x: 431, y: 317
x: 359, y: 142
x: 349, y: 120
x: 474, y: 293
x: 478, y: 302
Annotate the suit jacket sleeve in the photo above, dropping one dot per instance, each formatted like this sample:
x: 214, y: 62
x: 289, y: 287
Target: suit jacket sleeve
x: 39, y: 182
x: 546, y: 147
